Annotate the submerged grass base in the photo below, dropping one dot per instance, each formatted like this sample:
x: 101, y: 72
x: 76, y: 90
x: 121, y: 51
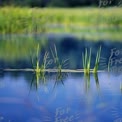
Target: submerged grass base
x: 51, y: 70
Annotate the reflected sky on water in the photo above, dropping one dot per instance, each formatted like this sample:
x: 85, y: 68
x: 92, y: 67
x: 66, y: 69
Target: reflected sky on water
x: 70, y: 100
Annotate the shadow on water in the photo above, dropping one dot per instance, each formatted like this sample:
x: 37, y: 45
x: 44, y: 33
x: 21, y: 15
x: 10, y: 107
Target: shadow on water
x: 59, y: 79
x: 87, y: 82
x: 42, y: 80
x: 97, y: 81
x: 15, y: 51
x: 37, y: 79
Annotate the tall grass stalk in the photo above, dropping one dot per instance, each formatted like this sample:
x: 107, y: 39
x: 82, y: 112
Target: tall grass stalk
x: 56, y: 59
x: 37, y: 60
x: 97, y: 61
x: 86, y: 61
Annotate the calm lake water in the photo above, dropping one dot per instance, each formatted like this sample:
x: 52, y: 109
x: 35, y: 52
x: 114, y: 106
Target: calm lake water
x: 71, y: 100
x: 28, y: 97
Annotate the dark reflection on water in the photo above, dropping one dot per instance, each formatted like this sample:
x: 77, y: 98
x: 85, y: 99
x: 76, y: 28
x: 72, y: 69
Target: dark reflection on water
x: 15, y: 50
x: 67, y: 101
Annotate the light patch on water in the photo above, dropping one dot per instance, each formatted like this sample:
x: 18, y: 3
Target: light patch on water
x: 33, y: 120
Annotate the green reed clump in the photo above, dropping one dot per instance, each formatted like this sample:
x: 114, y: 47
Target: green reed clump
x: 97, y: 61
x: 86, y: 61
x: 56, y: 59
x: 40, y: 67
x: 59, y: 65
